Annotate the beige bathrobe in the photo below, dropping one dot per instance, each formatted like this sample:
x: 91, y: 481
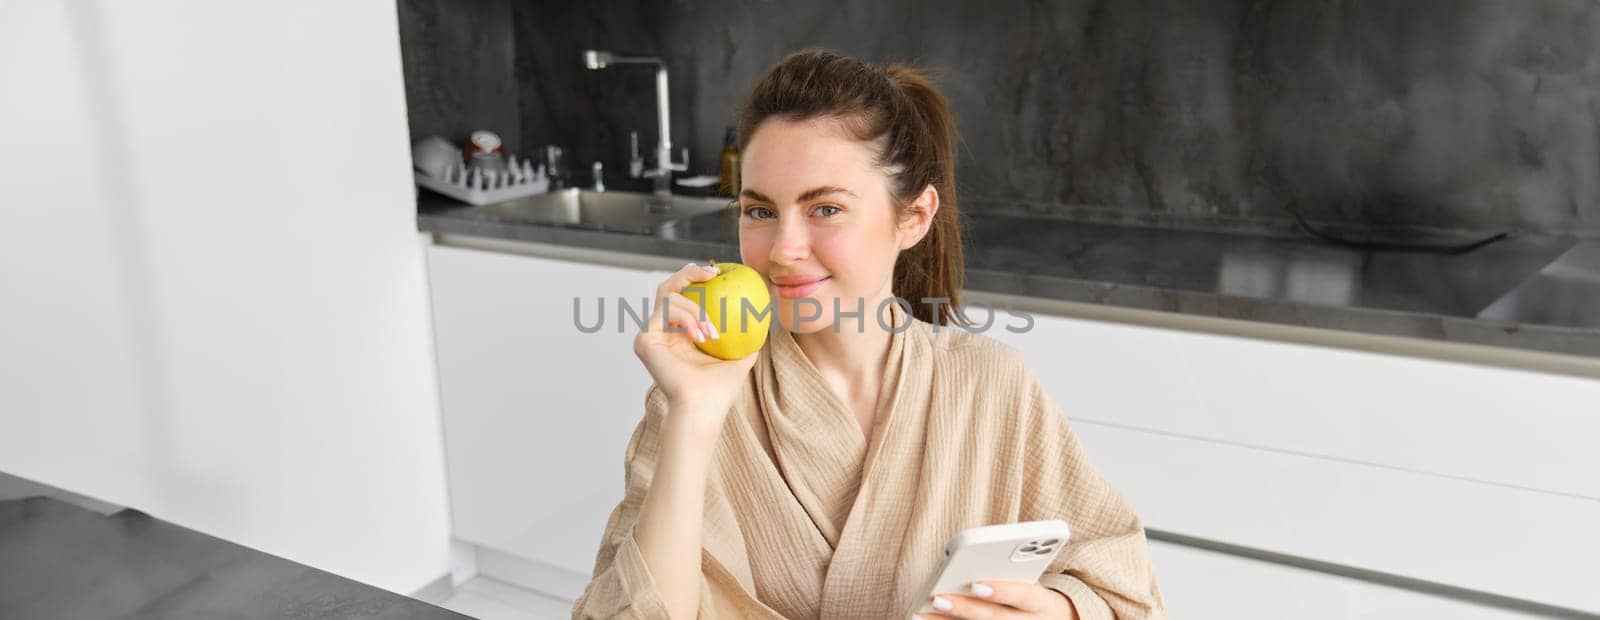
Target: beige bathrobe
x: 805, y: 519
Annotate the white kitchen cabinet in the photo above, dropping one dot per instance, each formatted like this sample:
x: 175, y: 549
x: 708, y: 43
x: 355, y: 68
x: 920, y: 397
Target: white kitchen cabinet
x: 1471, y: 476
x: 1198, y: 583
x: 537, y: 414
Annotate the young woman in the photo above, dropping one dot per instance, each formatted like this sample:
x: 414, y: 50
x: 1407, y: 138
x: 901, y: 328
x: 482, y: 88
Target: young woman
x: 823, y: 475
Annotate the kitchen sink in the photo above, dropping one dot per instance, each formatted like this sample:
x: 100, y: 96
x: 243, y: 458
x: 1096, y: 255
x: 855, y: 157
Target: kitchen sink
x: 646, y: 214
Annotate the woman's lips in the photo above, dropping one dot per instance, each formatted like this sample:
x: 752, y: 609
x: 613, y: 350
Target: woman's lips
x: 794, y: 291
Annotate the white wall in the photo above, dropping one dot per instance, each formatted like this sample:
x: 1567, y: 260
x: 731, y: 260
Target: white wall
x: 212, y: 297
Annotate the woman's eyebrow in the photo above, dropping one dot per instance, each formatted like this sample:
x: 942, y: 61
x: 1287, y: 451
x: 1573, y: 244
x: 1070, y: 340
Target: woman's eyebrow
x: 810, y: 194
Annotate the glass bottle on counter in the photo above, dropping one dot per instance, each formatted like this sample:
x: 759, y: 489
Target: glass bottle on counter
x: 729, y: 185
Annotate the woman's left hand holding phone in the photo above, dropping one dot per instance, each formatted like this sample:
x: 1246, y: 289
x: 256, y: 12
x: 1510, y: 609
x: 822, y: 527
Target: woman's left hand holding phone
x: 1006, y: 600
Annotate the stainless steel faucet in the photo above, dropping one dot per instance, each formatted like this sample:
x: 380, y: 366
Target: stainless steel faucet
x: 662, y: 172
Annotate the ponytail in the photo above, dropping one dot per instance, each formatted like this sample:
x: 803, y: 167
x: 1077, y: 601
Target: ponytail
x: 934, y: 267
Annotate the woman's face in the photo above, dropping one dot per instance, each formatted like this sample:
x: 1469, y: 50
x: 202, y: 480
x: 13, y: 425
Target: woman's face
x: 816, y: 221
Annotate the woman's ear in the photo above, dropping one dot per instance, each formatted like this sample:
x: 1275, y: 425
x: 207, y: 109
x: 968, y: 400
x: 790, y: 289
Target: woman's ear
x: 918, y: 218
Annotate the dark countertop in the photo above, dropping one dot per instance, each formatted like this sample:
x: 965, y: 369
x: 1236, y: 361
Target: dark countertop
x: 61, y: 561
x: 1529, y: 292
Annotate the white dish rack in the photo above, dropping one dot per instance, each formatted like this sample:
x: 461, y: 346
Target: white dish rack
x: 480, y: 187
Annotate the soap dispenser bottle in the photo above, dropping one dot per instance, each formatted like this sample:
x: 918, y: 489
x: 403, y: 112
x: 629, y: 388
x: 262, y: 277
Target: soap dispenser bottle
x: 729, y: 185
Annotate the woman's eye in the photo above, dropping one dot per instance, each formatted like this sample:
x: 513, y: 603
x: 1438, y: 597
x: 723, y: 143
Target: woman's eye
x: 759, y: 213
x: 827, y: 213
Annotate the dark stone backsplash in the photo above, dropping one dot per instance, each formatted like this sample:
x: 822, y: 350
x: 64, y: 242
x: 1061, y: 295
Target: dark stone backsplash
x: 459, y: 56
x: 1471, y: 115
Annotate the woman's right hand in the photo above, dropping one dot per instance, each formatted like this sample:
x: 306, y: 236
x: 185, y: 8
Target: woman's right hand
x: 693, y: 381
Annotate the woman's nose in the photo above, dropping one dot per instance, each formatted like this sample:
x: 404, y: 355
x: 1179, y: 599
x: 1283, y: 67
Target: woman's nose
x: 792, y: 244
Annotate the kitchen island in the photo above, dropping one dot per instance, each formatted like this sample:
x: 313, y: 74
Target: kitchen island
x: 58, y: 560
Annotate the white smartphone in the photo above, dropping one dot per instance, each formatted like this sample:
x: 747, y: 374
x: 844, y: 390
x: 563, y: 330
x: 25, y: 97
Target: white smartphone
x: 1009, y: 552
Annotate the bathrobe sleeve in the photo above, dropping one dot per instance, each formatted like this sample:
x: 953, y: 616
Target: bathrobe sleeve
x: 622, y: 586
x: 1105, y: 568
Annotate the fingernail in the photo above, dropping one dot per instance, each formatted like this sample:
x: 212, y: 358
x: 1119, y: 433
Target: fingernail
x: 713, y: 329
x: 982, y: 590
x: 917, y: 617
x: 942, y: 604
x: 699, y: 336
x: 711, y: 268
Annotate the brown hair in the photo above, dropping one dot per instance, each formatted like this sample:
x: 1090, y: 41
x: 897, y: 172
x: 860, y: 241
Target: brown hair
x: 897, y: 109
